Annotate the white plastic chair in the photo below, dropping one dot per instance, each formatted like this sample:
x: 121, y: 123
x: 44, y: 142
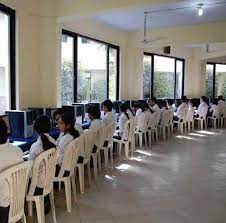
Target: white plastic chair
x: 190, y: 118
x: 49, y: 158
x: 165, y: 124
x: 127, y: 140
x: 69, y: 162
x: 181, y: 123
x: 85, y: 152
x: 152, y: 126
x: 213, y: 120
x: 108, y: 136
x: 16, y: 177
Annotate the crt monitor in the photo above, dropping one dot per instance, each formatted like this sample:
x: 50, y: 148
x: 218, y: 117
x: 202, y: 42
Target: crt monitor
x: 6, y: 120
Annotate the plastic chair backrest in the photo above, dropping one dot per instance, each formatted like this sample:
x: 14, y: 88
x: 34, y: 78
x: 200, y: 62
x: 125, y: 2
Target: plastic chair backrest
x: 16, y: 177
x: 131, y: 128
x: 165, y: 118
x: 88, y: 144
x: 151, y: 120
x: 157, y: 117
x: 184, y: 114
x: 49, y: 158
x: 190, y: 114
x: 70, y: 158
x: 111, y: 132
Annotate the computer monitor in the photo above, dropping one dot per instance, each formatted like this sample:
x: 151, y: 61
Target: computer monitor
x: 6, y: 120
x: 37, y: 111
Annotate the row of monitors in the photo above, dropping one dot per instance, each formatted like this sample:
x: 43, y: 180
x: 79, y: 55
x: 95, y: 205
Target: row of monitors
x: 20, y: 123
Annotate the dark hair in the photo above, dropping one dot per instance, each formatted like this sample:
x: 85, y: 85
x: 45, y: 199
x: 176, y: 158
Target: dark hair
x: 204, y: 98
x: 57, y: 112
x: 42, y: 125
x: 108, y: 104
x: 67, y: 119
x: 154, y: 99
x: 220, y: 97
x: 3, y: 132
x: 215, y: 101
x: 192, y: 101
x: 184, y: 99
x: 94, y: 111
x: 123, y: 108
x: 164, y: 104
x: 170, y: 101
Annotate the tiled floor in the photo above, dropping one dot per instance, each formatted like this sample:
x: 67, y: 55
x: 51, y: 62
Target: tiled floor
x: 182, y: 180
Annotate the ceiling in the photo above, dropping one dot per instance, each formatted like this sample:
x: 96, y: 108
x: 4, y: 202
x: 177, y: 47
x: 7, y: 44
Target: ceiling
x: 132, y: 20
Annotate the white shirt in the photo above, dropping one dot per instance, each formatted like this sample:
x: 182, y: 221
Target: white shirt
x: 155, y: 108
x: 181, y: 109
x: 78, y: 127
x: 108, y: 118
x: 35, y: 150
x: 162, y: 110
x: 122, y: 121
x: 202, y: 110
x: 215, y: 110
x: 95, y: 123
x: 138, y: 112
x: 62, y: 146
x: 143, y: 120
x: 129, y: 113
x: 9, y: 156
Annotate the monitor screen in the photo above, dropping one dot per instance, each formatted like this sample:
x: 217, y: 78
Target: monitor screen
x: 6, y: 120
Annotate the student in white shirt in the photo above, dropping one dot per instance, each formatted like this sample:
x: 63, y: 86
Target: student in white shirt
x: 203, y: 107
x: 137, y: 107
x: 9, y: 156
x: 108, y: 115
x: 153, y: 104
x: 130, y: 112
x: 214, y: 110
x: 94, y: 116
x: 44, y: 142
x: 181, y: 109
x: 123, y: 118
x: 170, y: 105
x: 143, y: 118
x: 66, y: 126
x: 221, y: 104
x: 163, y: 109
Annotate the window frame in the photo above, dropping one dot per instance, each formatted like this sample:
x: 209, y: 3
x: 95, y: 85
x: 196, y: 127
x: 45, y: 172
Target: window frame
x: 152, y: 55
x: 214, y: 75
x: 75, y: 60
x: 12, y: 52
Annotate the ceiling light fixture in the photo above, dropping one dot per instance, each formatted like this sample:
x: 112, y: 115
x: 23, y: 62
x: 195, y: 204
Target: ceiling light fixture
x: 200, y: 9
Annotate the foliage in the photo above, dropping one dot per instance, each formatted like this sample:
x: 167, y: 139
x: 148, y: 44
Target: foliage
x: 220, y: 84
x: 209, y: 83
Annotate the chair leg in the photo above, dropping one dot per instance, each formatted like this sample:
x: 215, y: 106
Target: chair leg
x: 39, y: 202
x: 164, y: 132
x: 99, y: 161
x: 111, y: 154
x: 120, y: 149
x: 51, y: 196
x: 73, y: 187
x: 89, y: 173
x: 95, y: 166
x: 30, y: 208
x: 67, y: 185
x: 157, y: 137
x: 140, y: 139
x: 127, y: 150
x: 106, y: 158
x: 201, y: 122
x: 81, y: 177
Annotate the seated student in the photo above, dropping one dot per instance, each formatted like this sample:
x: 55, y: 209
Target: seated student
x: 138, y: 108
x: 153, y: 104
x: 78, y: 127
x: 203, y: 107
x: 44, y: 142
x: 94, y: 116
x: 57, y: 114
x: 214, y: 110
x: 170, y: 105
x: 66, y: 126
x: 221, y: 104
x: 163, y: 109
x: 181, y: 109
x: 130, y: 111
x: 108, y: 115
x: 9, y: 156
x: 144, y: 117
x: 123, y: 118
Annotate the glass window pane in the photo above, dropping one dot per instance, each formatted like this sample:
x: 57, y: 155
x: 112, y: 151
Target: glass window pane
x: 164, y: 69
x: 179, y: 78
x: 67, y: 71
x: 147, y: 75
x: 4, y: 63
x: 112, y: 73
x: 92, y: 74
x: 209, y: 80
x: 220, y: 81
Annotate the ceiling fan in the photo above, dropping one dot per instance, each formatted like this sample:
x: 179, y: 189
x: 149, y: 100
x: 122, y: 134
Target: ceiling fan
x: 209, y: 50
x: 147, y: 40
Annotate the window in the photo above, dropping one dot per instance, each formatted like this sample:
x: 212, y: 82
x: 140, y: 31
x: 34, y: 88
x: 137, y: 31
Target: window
x: 7, y: 59
x: 90, y: 69
x: 163, y: 76
x: 215, y: 79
